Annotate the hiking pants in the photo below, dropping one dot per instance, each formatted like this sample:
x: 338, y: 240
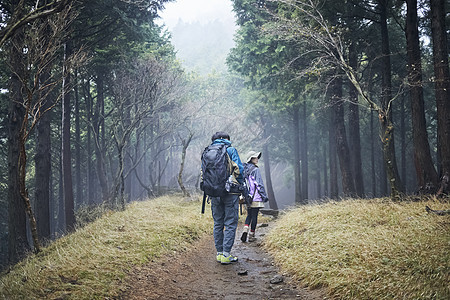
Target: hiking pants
x: 225, y: 212
x: 252, y: 217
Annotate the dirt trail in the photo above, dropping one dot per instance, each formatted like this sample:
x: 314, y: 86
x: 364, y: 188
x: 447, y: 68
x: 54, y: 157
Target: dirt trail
x: 196, y: 275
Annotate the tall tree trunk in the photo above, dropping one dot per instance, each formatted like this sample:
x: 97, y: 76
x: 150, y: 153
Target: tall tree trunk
x: 61, y: 210
x: 128, y: 179
x: 22, y: 181
x: 266, y: 158
x: 119, y: 186
x: 385, y: 115
x: 100, y: 157
x: 382, y: 169
x: 89, y: 171
x: 389, y: 159
x: 372, y: 156
x: 183, y: 159
x: 354, y: 130
x: 52, y: 206
x: 17, y: 232
x: 18, y: 85
x: 403, y: 143
x: 325, y: 173
x: 79, y: 186
x: 122, y: 181
x: 317, y: 155
x: 341, y: 138
x: 427, y: 177
x: 269, y: 187
x: 65, y: 150
x: 304, y: 154
x: 158, y: 158
x: 141, y: 138
x: 334, y: 187
x: 442, y: 88
x: 296, y: 131
x: 43, y: 168
x: 152, y: 165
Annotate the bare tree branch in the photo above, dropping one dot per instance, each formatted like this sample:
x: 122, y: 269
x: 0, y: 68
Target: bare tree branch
x: 39, y: 12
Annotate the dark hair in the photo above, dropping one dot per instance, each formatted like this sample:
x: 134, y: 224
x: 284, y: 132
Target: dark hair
x: 220, y: 135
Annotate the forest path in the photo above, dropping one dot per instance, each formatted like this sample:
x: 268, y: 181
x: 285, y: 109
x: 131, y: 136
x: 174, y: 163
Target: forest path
x: 196, y: 274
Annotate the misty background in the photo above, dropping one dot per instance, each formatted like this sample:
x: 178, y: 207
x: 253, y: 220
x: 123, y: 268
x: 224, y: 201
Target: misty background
x: 202, y: 33
x: 112, y: 101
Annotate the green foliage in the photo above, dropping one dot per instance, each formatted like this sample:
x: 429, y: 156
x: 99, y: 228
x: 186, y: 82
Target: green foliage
x: 112, y: 33
x: 119, y: 31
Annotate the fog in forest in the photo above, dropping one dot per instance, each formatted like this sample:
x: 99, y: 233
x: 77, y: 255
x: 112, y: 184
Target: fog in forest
x: 111, y: 102
x: 202, y: 46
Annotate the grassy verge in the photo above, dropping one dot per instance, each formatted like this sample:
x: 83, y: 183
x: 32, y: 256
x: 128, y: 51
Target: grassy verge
x: 367, y: 249
x: 92, y: 262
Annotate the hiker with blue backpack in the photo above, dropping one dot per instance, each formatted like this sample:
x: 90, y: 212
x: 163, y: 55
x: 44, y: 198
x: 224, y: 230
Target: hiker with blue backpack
x: 256, y: 195
x: 222, y: 181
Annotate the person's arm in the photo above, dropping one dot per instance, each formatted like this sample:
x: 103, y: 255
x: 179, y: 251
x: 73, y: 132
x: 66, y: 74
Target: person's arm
x: 232, y: 152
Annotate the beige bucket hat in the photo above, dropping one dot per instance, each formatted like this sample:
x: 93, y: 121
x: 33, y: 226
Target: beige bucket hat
x: 252, y: 154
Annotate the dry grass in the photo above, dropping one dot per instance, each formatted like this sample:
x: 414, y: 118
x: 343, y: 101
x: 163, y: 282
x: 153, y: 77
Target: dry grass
x: 367, y: 249
x: 91, y: 263
x: 358, y: 249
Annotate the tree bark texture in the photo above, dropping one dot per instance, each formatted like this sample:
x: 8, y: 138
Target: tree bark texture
x: 387, y: 136
x: 427, y: 177
x: 354, y: 129
x: 318, y: 176
x: 267, y: 170
x: 403, y: 143
x: 79, y: 184
x: 442, y: 84
x: 22, y: 185
x: 385, y: 116
x: 61, y: 211
x: 99, y: 155
x: 119, y: 189
x: 65, y: 150
x: 334, y: 187
x: 89, y: 169
x: 269, y: 187
x: 42, y: 161
x: 297, y: 179
x: 304, y: 154
x: 372, y: 156
x: 325, y: 173
x: 341, y: 138
x: 17, y: 231
x: 185, y: 143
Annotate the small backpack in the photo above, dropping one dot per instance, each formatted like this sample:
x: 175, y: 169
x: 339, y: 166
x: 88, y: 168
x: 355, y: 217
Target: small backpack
x: 215, y: 170
x: 250, y: 183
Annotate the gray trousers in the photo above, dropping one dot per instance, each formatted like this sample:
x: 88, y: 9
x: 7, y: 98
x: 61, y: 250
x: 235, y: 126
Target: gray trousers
x: 225, y: 212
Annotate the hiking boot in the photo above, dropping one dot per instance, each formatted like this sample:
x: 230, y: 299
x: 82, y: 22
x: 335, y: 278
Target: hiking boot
x: 228, y: 260
x: 244, y: 237
x: 219, y: 257
x: 251, y: 237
